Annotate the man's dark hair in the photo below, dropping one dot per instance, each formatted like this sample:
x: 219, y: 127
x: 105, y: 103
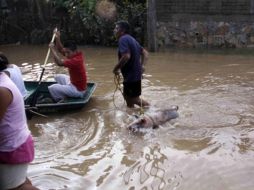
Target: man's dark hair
x: 70, y: 44
x: 3, y: 61
x: 124, y: 25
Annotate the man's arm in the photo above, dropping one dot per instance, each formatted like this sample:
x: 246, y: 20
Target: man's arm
x: 59, y: 44
x: 123, y: 60
x: 57, y: 59
x: 144, y: 58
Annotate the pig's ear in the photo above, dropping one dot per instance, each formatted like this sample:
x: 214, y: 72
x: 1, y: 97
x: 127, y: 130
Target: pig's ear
x: 142, y: 121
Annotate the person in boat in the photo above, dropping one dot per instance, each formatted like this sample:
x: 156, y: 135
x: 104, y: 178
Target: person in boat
x: 14, y: 72
x: 16, y: 143
x: 74, y: 84
x: 131, y: 60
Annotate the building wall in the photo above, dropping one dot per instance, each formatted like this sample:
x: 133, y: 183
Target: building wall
x: 205, y: 23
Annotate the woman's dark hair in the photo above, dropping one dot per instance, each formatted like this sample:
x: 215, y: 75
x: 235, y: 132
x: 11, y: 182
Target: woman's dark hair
x: 3, y: 61
x: 70, y: 44
x: 124, y: 25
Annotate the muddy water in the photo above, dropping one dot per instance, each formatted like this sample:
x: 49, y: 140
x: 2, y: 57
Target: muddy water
x: 209, y: 147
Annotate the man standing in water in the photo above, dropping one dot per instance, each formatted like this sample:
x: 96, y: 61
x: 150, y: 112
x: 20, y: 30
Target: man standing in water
x: 132, y: 58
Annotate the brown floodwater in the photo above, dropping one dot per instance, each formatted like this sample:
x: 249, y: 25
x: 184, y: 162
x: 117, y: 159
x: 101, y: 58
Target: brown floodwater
x: 209, y: 147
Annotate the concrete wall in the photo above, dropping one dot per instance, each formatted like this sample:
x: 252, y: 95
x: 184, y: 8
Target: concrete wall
x: 204, y: 23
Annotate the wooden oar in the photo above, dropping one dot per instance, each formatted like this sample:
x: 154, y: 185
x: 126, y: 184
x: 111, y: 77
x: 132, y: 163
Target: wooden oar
x: 47, y: 57
x: 35, y: 94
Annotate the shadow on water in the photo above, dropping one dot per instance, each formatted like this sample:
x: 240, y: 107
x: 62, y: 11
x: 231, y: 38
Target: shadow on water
x: 210, y: 146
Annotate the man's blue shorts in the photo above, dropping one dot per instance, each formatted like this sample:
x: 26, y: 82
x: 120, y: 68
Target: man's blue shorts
x: 132, y: 89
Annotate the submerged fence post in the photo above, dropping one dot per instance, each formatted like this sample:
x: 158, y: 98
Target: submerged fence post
x: 151, y: 26
x: 251, y: 6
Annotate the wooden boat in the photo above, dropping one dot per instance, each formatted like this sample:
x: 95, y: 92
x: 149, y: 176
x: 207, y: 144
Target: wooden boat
x: 39, y: 105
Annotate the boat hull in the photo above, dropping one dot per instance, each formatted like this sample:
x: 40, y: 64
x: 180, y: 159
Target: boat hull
x: 34, y: 89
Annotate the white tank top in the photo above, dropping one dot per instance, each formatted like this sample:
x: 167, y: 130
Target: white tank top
x: 16, y: 77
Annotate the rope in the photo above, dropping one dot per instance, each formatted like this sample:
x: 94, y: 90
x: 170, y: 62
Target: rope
x: 141, y: 112
x: 141, y: 103
x: 117, y: 81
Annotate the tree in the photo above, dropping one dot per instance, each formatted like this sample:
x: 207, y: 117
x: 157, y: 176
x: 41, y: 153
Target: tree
x: 78, y: 19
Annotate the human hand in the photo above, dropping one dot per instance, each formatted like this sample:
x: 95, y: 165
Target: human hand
x: 56, y: 32
x: 51, y: 45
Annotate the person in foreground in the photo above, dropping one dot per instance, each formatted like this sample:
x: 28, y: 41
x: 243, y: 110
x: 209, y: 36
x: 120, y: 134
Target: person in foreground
x: 14, y: 73
x: 131, y: 60
x: 16, y: 143
x: 75, y: 84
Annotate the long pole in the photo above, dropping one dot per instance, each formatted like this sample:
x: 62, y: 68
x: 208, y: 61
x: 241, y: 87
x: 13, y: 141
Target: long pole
x: 47, y: 57
x: 35, y: 94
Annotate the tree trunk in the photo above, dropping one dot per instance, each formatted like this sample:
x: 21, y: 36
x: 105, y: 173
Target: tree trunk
x: 40, y: 13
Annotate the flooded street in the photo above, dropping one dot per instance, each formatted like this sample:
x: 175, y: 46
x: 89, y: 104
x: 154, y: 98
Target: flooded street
x: 209, y: 147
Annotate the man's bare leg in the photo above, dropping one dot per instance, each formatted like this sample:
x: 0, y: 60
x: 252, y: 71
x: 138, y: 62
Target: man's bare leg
x: 137, y: 100
x: 142, y: 103
x: 129, y: 102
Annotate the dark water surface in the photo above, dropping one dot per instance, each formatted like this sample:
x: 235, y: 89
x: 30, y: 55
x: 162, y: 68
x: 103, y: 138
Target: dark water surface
x: 209, y: 147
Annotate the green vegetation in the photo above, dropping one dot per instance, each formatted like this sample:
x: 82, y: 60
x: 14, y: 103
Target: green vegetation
x: 33, y: 21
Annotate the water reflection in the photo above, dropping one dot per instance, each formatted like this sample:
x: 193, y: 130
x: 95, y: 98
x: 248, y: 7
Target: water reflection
x: 210, y: 146
x: 151, y: 169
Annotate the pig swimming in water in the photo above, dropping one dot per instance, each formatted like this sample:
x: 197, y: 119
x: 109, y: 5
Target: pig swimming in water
x: 154, y: 120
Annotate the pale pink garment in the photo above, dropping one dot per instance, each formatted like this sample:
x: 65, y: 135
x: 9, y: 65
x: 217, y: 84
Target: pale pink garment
x: 23, y: 154
x: 14, y: 131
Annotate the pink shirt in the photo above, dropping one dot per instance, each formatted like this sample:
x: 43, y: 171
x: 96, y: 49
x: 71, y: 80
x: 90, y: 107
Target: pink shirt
x: 14, y: 132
